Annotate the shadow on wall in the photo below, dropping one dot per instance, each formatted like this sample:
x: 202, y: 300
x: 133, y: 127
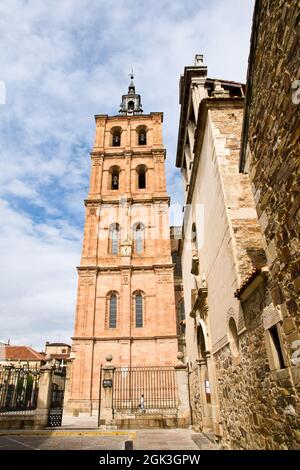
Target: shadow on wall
x: 257, y: 256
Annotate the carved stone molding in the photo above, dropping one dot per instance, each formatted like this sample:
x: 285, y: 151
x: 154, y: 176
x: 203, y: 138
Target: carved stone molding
x: 91, y: 204
x: 200, y: 304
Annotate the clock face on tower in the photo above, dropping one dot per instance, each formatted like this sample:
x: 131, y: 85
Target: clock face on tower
x: 126, y: 250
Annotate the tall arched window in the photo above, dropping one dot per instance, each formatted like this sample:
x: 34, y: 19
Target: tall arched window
x: 141, y: 175
x: 114, y: 239
x: 113, y: 310
x: 142, y: 137
x: 116, y: 136
x: 115, y: 177
x: 139, y: 320
x: 138, y: 236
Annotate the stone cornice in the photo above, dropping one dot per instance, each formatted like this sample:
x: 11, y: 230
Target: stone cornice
x: 92, y: 202
x: 129, y: 200
x: 114, y: 152
x: 132, y: 267
x: 92, y: 269
x: 115, y: 338
x: 122, y: 117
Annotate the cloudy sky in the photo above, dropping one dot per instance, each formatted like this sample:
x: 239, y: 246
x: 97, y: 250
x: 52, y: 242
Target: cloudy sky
x: 62, y: 61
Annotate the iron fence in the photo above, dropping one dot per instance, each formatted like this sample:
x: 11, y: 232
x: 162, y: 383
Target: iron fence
x: 144, y: 389
x: 18, y: 388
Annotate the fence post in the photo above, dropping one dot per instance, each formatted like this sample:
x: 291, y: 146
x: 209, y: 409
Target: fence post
x: 106, y: 393
x: 44, y: 397
x: 184, y: 411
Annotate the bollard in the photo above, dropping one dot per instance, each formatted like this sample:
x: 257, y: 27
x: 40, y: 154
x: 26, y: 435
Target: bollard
x: 128, y: 445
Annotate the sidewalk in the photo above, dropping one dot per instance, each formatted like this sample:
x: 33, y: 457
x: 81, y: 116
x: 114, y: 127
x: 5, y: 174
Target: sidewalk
x: 64, y: 439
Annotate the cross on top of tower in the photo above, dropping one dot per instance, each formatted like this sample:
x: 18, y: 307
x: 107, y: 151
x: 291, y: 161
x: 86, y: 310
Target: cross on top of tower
x: 131, y: 103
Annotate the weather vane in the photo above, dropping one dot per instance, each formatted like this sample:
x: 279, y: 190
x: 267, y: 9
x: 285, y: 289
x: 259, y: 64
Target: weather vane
x: 131, y: 74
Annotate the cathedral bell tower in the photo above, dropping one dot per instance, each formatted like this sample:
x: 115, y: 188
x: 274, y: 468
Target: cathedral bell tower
x: 125, y: 301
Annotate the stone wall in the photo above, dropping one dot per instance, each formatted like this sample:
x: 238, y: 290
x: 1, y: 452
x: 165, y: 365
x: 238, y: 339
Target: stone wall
x: 35, y: 419
x: 196, y: 399
x: 258, y: 406
x: 271, y: 150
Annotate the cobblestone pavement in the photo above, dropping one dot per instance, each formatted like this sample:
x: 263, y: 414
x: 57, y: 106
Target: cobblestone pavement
x: 156, y: 439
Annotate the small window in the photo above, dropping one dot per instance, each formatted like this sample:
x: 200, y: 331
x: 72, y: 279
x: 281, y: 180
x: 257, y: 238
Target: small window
x: 142, y: 137
x: 141, y: 172
x: 116, y: 137
x: 276, y: 348
x: 139, y: 311
x: 113, y: 311
x: 63, y: 351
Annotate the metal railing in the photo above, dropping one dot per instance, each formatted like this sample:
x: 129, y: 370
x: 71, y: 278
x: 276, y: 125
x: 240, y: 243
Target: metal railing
x: 18, y: 388
x: 144, y: 389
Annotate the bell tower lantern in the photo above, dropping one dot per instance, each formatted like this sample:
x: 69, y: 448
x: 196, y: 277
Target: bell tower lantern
x: 131, y: 103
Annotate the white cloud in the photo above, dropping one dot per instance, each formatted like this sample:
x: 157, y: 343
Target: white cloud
x: 18, y: 188
x: 61, y: 63
x: 38, y: 278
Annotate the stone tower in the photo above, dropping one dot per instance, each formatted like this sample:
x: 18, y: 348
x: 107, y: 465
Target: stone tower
x: 125, y: 303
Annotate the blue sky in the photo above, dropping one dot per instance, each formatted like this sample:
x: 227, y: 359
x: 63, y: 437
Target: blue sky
x: 62, y: 61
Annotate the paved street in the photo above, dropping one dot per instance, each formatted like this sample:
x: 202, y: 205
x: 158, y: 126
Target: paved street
x: 173, y: 439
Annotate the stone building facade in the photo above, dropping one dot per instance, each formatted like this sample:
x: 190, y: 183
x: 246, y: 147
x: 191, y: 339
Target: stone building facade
x: 270, y: 152
x: 125, y: 303
x: 57, y: 354
x: 239, y: 382
x: 270, y: 156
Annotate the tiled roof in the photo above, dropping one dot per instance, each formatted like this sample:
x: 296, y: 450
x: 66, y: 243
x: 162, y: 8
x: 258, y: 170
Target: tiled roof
x: 22, y: 353
x: 250, y: 277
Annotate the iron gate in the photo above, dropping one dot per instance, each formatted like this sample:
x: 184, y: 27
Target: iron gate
x: 19, y: 388
x: 57, y: 398
x: 144, y: 389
